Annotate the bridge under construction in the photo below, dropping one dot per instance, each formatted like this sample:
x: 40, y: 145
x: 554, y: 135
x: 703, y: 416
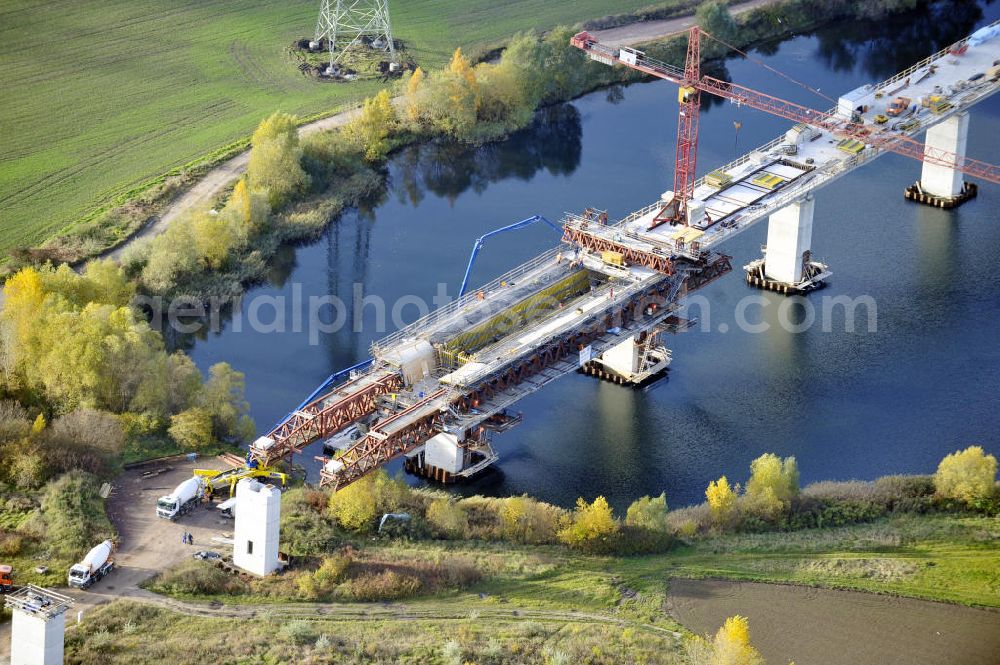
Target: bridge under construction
x: 436, y: 391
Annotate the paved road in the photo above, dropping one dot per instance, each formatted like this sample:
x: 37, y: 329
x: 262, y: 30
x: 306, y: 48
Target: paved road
x: 647, y: 31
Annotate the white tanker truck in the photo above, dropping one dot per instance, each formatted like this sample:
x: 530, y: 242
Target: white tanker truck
x: 98, y: 563
x: 184, y: 498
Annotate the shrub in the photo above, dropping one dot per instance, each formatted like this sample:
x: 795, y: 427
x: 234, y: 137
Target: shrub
x: 387, y: 585
x: 968, y: 476
x: 730, y: 646
x: 447, y: 518
x: 197, y: 578
x: 356, y: 506
x: 526, y: 520
x: 298, y: 631
x: 592, y: 527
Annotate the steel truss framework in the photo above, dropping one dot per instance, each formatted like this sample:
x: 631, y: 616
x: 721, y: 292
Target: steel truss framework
x: 581, y: 238
x: 322, y: 418
x: 386, y: 442
x: 343, y: 24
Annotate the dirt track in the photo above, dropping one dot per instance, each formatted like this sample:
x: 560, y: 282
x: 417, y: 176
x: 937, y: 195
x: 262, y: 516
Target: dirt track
x: 215, y: 181
x: 829, y: 627
x: 647, y: 31
x: 147, y: 544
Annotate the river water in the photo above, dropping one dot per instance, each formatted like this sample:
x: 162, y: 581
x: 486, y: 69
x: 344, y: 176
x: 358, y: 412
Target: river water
x: 845, y: 404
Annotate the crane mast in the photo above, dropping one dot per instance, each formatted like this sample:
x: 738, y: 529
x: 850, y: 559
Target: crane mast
x: 692, y: 83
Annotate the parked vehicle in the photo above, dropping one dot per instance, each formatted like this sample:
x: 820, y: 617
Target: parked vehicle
x: 98, y: 563
x: 184, y: 497
x: 897, y: 107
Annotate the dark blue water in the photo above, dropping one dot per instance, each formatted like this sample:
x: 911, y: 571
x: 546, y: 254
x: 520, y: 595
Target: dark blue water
x: 845, y: 404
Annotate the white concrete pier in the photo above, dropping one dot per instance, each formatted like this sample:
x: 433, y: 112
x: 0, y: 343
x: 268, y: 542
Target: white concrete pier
x: 950, y: 135
x: 789, y: 237
x: 256, y: 531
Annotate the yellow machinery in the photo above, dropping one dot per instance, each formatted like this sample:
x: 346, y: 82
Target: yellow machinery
x: 613, y: 258
x: 217, y: 480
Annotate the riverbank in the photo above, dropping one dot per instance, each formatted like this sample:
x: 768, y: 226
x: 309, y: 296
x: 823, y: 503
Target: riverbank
x: 540, y: 602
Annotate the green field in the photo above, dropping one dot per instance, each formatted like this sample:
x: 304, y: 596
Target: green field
x: 100, y: 97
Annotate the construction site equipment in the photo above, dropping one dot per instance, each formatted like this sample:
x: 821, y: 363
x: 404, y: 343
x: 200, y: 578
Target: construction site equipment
x: 478, y: 245
x: 182, y: 500
x: 98, y: 563
x: 833, y: 121
x: 214, y: 481
x: 897, y: 106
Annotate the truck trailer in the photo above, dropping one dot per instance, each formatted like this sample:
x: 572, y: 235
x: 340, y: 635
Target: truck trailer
x: 184, y: 498
x: 98, y: 563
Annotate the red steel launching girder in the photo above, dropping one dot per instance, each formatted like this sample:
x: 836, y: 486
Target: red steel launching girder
x: 386, y: 442
x: 596, y: 243
x: 379, y: 446
x: 323, y: 417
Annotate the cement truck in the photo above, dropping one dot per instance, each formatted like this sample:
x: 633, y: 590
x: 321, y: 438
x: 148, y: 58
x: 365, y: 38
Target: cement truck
x: 98, y: 563
x: 184, y: 497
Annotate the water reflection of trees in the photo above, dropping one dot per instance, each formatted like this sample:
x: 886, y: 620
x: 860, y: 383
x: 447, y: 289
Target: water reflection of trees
x: 882, y: 48
x: 552, y: 142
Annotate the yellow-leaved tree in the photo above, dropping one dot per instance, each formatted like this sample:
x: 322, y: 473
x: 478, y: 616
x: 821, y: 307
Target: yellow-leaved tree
x: 370, y: 129
x: 592, y: 526
x: 414, y: 86
x: 730, y: 646
x: 721, y: 500
x: 275, y: 159
x: 773, y: 484
x: 967, y: 475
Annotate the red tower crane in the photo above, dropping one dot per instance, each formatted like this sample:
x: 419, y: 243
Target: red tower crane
x: 692, y: 83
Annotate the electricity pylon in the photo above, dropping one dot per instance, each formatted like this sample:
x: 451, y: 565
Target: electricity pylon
x: 344, y: 22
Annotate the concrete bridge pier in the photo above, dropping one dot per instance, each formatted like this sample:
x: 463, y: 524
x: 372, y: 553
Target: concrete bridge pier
x: 943, y: 186
x: 632, y: 361
x: 787, y: 266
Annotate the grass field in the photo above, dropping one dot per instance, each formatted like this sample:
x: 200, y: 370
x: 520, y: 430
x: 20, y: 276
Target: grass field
x: 103, y: 96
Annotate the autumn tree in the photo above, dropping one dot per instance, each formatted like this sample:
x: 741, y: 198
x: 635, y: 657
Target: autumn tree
x: 414, y: 88
x: 171, y: 254
x: 968, y: 475
x: 370, y: 129
x: 730, y: 646
x: 192, y: 429
x: 453, y: 104
x: 592, y: 527
x: 773, y: 483
x: 355, y: 507
x: 275, y: 159
x: 648, y: 513
x: 222, y: 396
x: 721, y: 499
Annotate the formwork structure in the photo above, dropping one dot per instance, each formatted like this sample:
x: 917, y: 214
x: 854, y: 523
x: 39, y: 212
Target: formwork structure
x: 38, y: 625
